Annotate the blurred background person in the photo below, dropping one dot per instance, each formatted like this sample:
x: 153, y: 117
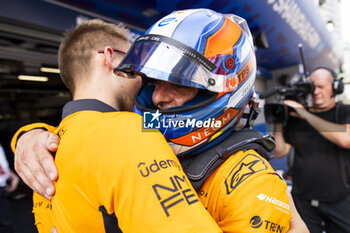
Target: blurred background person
x: 321, y: 140
x: 8, y: 183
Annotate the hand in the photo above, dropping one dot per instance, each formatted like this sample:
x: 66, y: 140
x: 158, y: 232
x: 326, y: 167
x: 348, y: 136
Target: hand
x: 297, y: 225
x: 34, y: 162
x: 300, y: 111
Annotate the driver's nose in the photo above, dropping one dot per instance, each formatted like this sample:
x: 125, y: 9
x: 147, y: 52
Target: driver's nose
x: 162, y: 96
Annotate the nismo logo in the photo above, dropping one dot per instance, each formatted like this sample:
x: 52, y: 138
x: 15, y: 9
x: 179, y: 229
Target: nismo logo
x: 174, y: 193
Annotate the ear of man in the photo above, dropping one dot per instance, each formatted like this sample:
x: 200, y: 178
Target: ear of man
x: 110, y: 58
x: 337, y: 84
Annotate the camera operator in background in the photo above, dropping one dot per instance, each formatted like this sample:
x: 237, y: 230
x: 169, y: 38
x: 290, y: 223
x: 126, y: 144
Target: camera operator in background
x: 320, y: 136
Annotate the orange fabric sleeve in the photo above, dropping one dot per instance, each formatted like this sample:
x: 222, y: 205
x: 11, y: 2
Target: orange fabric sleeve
x: 27, y: 128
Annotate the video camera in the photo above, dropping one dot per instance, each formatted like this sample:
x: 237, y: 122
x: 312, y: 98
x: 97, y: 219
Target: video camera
x: 299, y: 91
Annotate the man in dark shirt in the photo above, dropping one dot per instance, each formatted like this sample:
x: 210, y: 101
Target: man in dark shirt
x: 321, y: 170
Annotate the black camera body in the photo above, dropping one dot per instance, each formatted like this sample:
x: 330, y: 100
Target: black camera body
x: 278, y: 112
x: 299, y: 91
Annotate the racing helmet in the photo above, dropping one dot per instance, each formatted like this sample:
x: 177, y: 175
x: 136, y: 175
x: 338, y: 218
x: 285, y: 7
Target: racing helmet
x: 197, y: 48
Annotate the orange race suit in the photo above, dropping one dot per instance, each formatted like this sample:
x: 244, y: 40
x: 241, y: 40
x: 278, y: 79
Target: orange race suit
x: 244, y: 194
x: 113, y: 175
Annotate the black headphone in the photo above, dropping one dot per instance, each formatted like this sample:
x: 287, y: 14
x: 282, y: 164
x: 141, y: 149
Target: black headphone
x: 338, y: 85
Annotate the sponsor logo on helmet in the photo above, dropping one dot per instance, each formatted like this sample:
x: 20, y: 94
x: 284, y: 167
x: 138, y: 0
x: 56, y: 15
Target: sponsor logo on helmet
x: 152, y: 120
x: 257, y: 222
x: 278, y: 204
x: 175, y: 192
x: 166, y: 21
x: 230, y: 63
x: 242, y: 74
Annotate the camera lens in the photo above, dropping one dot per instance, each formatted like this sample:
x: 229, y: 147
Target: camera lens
x: 275, y: 113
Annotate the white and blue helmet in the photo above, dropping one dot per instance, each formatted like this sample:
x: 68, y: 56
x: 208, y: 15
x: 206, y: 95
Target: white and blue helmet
x: 196, y: 48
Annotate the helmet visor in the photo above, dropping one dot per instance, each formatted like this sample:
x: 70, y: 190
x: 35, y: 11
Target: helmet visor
x: 163, y: 58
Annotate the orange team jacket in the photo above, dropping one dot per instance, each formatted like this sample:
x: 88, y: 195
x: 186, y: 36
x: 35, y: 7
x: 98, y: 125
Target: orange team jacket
x: 243, y: 195
x: 246, y: 195
x: 112, y: 174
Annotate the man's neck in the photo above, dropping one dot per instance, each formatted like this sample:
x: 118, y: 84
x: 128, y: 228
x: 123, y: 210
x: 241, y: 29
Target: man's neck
x: 99, y: 95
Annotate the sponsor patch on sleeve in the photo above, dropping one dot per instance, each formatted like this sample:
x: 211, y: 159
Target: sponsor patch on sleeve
x: 248, y: 166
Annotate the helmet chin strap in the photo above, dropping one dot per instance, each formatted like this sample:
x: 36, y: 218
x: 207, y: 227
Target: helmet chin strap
x: 254, y: 111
